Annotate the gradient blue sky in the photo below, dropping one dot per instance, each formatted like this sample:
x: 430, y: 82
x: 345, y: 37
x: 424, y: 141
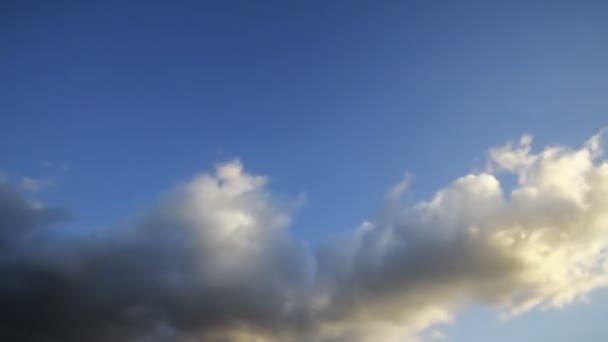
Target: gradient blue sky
x: 117, y: 101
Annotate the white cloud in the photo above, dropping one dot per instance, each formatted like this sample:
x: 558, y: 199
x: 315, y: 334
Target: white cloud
x: 543, y: 246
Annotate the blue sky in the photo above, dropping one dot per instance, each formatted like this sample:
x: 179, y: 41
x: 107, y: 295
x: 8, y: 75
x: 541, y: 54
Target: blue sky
x: 115, y: 103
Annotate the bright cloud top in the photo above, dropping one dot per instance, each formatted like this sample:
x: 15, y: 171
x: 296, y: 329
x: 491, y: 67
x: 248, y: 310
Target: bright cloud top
x: 214, y: 260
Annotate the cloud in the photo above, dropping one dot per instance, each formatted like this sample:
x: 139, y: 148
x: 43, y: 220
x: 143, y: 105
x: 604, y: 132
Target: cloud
x: 20, y: 219
x: 34, y: 185
x: 213, y: 259
x: 211, y: 255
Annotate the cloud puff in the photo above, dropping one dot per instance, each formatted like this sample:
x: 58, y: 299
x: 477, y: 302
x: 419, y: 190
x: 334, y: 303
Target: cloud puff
x: 213, y: 259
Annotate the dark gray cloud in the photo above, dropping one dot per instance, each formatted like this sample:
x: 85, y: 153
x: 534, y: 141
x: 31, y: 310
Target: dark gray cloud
x: 20, y: 219
x: 157, y: 278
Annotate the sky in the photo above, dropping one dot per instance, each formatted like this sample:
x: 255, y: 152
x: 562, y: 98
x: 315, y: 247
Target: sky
x: 303, y: 170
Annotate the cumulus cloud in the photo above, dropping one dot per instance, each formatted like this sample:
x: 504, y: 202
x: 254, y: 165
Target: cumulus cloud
x: 213, y: 259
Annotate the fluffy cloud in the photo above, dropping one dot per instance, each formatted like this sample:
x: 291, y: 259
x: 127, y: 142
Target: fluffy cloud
x: 213, y: 259
x: 543, y: 244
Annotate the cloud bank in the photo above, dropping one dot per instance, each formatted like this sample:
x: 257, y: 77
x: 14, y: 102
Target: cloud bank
x: 213, y: 259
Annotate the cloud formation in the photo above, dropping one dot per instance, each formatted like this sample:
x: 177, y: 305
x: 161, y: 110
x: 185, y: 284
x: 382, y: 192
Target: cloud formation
x: 213, y: 259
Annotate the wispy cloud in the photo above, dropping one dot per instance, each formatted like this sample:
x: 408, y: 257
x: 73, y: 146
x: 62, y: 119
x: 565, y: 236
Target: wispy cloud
x: 213, y: 259
x: 35, y: 185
